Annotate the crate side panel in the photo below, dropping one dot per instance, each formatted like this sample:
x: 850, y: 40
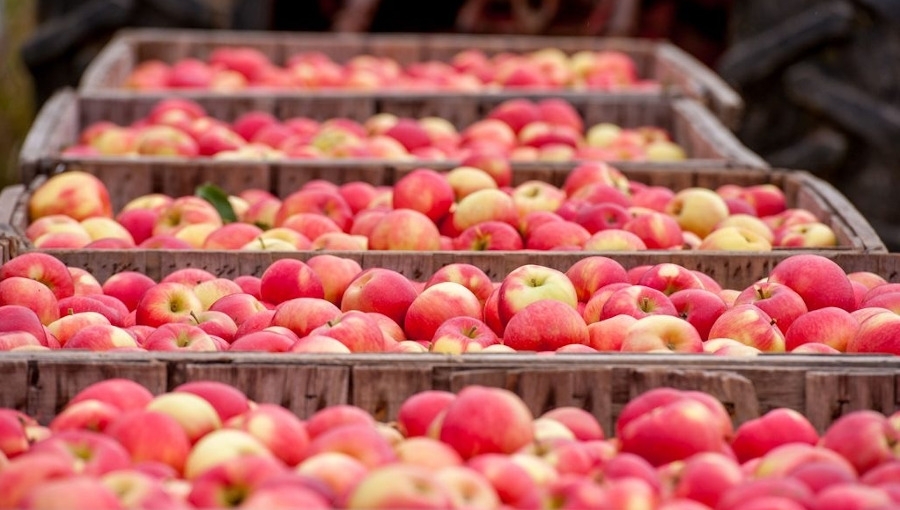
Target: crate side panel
x: 301, y: 388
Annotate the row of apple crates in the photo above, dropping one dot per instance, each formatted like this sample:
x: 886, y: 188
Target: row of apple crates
x: 694, y: 105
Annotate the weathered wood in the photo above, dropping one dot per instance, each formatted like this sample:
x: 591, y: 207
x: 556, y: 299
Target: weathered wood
x: 829, y: 395
x: 381, y: 390
x: 52, y: 383
x: 16, y: 379
x: 302, y: 389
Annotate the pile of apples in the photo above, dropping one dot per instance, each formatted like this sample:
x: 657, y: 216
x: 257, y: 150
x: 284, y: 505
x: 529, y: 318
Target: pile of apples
x: 231, y: 69
x: 518, y: 129
x: 206, y: 445
x: 329, y: 304
x: 467, y: 208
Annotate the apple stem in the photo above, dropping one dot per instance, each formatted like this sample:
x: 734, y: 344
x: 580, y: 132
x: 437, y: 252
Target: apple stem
x: 71, y: 311
x: 194, y: 317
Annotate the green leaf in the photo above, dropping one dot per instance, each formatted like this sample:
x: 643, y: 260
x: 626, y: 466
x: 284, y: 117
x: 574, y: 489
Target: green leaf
x: 219, y: 199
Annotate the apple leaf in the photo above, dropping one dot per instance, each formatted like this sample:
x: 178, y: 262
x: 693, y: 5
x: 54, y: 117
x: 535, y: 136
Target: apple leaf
x: 219, y: 199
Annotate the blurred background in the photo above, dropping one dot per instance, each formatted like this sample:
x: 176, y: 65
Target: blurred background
x: 819, y: 78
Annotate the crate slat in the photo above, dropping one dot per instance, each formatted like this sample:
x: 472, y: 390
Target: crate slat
x: 822, y: 387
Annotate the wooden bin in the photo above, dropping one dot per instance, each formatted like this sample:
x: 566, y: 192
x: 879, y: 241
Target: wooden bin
x: 65, y: 115
x: 820, y: 386
x: 676, y: 71
x: 802, y: 190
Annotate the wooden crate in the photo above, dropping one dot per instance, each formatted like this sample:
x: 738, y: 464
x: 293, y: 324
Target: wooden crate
x: 802, y: 190
x: 676, y: 71
x: 821, y: 387
x: 64, y: 116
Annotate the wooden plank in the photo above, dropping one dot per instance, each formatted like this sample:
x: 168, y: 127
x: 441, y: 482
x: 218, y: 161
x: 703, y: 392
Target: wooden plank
x: 302, y: 389
x: 831, y: 394
x: 381, y: 390
x: 54, y: 382
x: 14, y: 391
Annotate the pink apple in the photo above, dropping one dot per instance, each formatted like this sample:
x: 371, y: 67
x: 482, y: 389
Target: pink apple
x: 151, y: 436
x: 457, y: 335
x: 287, y: 279
x: 179, y: 337
x: 751, y: 326
x: 355, y: 329
x: 227, y: 400
x: 436, y: 304
x: 545, y: 325
x: 529, y: 283
x: 405, y: 229
x: 335, y: 273
x: 76, y: 194
x: 167, y: 302
x: 471, y: 433
x: 662, y: 333
x: 128, y: 287
x: 755, y: 438
x: 818, y: 280
x: 638, y: 301
x: 781, y: 302
x: 380, y: 290
x: 832, y: 326
x: 699, y: 307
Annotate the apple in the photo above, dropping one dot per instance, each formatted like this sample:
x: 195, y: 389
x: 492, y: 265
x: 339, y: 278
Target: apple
x: 42, y: 268
x: 179, y: 337
x: 465, y: 180
x: 637, y: 301
x: 862, y: 437
x: 67, y: 326
x: 128, y: 287
x: 457, y: 335
x: 647, y: 427
x: 756, y: 437
x: 287, y: 279
x: 152, y: 436
x: 731, y: 238
x: 470, y: 433
x: 167, y: 302
x: 426, y: 191
x: 101, y: 337
x: 614, y: 240
x: 231, y: 236
x: 227, y: 400
x: 705, y: 477
x: 123, y: 394
x: 657, y: 230
x: 697, y: 210
x: 529, y: 283
x: 699, y: 307
x: 405, y: 229
x: 818, y: 280
x: 510, y: 480
x: 303, y: 315
x: 76, y: 194
x: 545, y: 325
x: 91, y: 414
x: 355, y: 329
x: 183, y: 211
x: 380, y: 290
x: 831, y: 326
x: 487, y: 236
x: 399, y: 486
x: 326, y: 203
x: 437, y: 303
x: 467, y: 487
x: 364, y: 442
x: 338, y: 471
x: 15, y: 318
x: 484, y: 205
x: 669, y: 278
x: 607, y: 335
x: 136, y: 489
x: 111, y: 308
x: 427, y: 453
x: 565, y: 235
x: 491, y: 162
x: 277, y: 428
x: 751, y: 326
x: 218, y: 447
x: 781, y: 302
x: 662, y: 333
x: 92, y: 494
